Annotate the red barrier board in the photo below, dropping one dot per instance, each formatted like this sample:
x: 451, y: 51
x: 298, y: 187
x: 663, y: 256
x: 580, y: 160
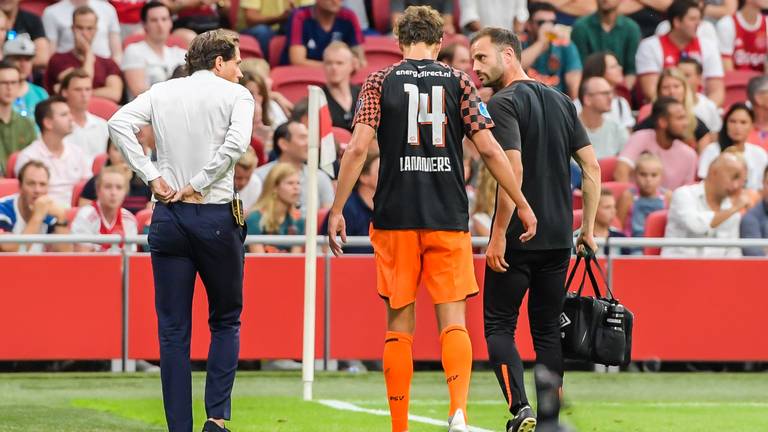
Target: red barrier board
x: 273, y: 310
x: 60, y: 307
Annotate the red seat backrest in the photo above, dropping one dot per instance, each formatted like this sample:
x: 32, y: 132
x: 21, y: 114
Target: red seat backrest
x: 578, y: 215
x: 10, y: 166
x: 98, y: 163
x: 77, y: 191
x: 655, y: 226
x: 382, y: 16
x: 249, y: 47
x: 103, y: 108
x: 292, y: 81
x: 276, y: 47
x: 8, y: 186
x: 143, y: 218
x: 607, y: 167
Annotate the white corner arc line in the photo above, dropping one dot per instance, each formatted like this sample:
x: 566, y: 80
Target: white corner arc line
x: 347, y: 406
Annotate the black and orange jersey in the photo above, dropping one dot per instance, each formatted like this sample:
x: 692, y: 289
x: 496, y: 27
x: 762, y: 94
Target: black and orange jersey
x: 421, y: 110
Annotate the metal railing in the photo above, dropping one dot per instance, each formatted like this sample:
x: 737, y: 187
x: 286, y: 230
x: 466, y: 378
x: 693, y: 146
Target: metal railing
x: 300, y: 240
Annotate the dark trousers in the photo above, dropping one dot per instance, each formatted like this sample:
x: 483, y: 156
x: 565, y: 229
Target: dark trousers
x: 184, y: 240
x: 543, y: 272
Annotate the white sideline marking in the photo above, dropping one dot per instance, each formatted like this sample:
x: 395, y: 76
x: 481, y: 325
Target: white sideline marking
x: 670, y: 404
x: 346, y: 406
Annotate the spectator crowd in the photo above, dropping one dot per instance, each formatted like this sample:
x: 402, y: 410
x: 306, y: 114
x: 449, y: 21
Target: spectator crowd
x: 672, y: 93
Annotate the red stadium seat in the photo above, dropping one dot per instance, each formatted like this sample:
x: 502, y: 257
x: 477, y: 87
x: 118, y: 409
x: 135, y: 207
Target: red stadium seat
x: 249, y: 47
x: 77, y: 191
x: 143, y: 218
x: 578, y: 199
x: 172, y: 40
x: 381, y: 51
x: 342, y: 136
x: 8, y: 186
x: 655, y: 226
x: 234, y: 12
x: 361, y: 75
x: 292, y: 81
x: 98, y: 163
x: 382, y: 16
x: 617, y: 188
x: 34, y: 6
x: 457, y: 18
x: 736, y: 86
x: 10, y: 166
x: 578, y: 215
x: 103, y: 108
x: 276, y: 47
x: 607, y: 167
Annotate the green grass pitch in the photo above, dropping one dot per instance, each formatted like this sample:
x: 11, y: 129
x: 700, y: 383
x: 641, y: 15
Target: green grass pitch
x: 264, y: 401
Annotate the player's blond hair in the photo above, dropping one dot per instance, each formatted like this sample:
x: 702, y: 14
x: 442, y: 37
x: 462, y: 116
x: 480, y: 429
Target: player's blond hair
x: 674, y: 73
x: 419, y: 24
x: 267, y: 203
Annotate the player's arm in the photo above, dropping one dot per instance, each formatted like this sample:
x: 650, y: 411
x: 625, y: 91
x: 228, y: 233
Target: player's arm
x: 351, y: 167
x: 505, y: 207
x: 590, y: 188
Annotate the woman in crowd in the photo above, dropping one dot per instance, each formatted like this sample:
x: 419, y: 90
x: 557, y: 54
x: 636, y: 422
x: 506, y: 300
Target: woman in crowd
x: 737, y: 125
x: 276, y: 210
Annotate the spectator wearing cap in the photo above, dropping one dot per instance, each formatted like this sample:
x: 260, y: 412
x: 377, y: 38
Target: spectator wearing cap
x: 16, y: 132
x: 21, y: 22
x: 90, y: 133
x: 107, y: 82
x: 659, y: 52
x: 476, y: 14
x: 754, y: 224
x: 21, y: 52
x: 66, y: 163
x: 548, y: 54
x: 266, y: 18
x: 709, y: 209
x: 106, y: 40
x: 606, y: 30
x: 312, y: 28
x: 339, y: 91
x: 32, y: 210
x: 757, y: 93
x: 151, y: 60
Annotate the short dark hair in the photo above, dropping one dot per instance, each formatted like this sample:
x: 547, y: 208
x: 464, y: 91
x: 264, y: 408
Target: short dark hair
x: 32, y: 164
x: 43, y: 109
x: 206, y: 47
x: 533, y: 8
x: 83, y: 10
x: 595, y: 64
x: 661, y: 108
x: 724, y: 139
x: 282, y: 132
x: 7, y: 64
x: 501, y: 38
x: 692, y: 61
x: 419, y: 24
x: 447, y: 53
x: 583, y: 87
x: 300, y: 109
x: 679, y: 8
x: 75, y: 73
x: 151, y: 5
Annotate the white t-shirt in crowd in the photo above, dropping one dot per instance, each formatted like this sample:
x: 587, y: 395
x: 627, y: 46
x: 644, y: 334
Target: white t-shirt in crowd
x: 708, y: 112
x: 88, y: 221
x: 57, y: 21
x: 156, y: 68
x: 690, y: 217
x: 493, y: 13
x: 706, y: 30
x: 621, y: 112
x: 650, y: 57
x: 91, y: 138
x: 609, y: 139
x: 66, y: 170
x: 754, y: 155
x: 251, y: 192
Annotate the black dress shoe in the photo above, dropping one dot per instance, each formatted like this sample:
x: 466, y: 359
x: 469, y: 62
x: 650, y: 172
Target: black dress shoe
x: 210, y: 426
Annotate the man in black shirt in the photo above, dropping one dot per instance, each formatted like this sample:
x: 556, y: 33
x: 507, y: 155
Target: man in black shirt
x: 421, y: 110
x: 540, y: 130
x: 24, y: 22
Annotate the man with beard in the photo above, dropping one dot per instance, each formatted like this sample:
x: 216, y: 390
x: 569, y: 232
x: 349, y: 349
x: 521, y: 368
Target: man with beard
x: 540, y: 130
x: 664, y: 141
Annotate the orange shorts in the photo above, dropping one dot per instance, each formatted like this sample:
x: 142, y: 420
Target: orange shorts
x: 442, y: 260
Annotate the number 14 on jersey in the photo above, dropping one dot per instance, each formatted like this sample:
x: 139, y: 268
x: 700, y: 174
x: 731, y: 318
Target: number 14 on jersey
x: 420, y: 112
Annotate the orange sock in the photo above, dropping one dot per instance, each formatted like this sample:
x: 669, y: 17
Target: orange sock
x: 457, y: 364
x: 398, y: 372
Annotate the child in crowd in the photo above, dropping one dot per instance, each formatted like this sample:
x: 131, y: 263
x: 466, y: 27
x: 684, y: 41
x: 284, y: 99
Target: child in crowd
x: 645, y: 197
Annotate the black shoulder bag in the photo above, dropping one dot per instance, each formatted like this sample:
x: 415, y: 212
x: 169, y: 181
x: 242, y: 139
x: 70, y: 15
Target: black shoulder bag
x: 596, y: 329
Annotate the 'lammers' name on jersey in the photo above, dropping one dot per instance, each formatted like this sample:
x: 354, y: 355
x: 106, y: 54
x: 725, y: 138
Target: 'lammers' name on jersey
x: 425, y: 164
